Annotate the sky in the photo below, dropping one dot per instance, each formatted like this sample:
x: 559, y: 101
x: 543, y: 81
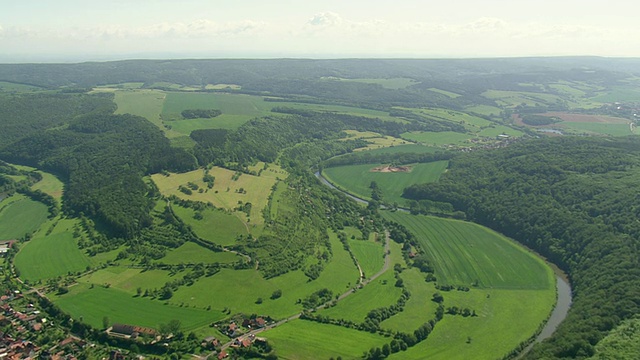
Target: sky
x: 89, y: 30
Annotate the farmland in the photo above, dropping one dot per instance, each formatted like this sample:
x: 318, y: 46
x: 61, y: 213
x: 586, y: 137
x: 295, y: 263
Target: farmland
x: 514, y: 314
x: 419, y: 308
x: 391, y: 83
x: 193, y: 253
x: 438, y: 138
x: 302, y: 339
x: 468, y: 254
x: 356, y: 179
x: 48, y: 256
x: 92, y: 303
x: 370, y: 255
x: 209, y: 227
x: 19, y: 216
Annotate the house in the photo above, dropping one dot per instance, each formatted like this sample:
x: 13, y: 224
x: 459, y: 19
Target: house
x: 210, y: 342
x: 232, y: 329
x: 132, y: 331
x: 246, y: 342
x: 223, y: 354
x: 5, y: 246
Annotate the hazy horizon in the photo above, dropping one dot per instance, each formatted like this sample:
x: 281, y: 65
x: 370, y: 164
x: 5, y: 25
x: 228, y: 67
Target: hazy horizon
x: 78, y: 31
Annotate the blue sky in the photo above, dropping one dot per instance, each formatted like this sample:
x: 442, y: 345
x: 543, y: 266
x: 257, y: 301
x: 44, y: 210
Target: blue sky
x: 74, y: 30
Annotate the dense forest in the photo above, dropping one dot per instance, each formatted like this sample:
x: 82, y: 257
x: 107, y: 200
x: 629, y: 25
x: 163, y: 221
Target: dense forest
x: 574, y: 200
x: 102, y: 158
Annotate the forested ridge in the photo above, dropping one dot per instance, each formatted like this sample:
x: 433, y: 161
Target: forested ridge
x: 102, y: 158
x: 574, y: 200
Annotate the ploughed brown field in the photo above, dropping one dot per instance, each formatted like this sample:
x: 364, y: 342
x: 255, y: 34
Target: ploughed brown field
x: 391, y: 169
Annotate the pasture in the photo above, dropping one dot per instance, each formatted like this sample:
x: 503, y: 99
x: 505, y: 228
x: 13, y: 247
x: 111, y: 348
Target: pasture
x: 597, y: 128
x: 465, y: 253
x: 505, y: 319
x: 92, y: 304
x: 388, y: 83
x: 430, y: 138
x: 444, y: 92
x: 301, y: 339
x: 406, y: 148
x: 20, y: 215
x: 217, y: 226
x: 495, y: 130
x: 146, y: 103
x: 514, y: 98
x: 17, y: 88
x: 472, y: 123
x: 228, y: 190
x: 381, y: 292
x: 419, y: 308
x: 370, y: 255
x: 484, y: 110
x: 50, y: 185
x: 190, y: 252
x: 375, y: 140
x: 238, y: 290
x: 48, y: 256
x: 356, y: 179
x: 623, y: 93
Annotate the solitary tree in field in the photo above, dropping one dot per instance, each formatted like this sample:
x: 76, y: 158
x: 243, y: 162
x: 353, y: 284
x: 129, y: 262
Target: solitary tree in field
x: 105, y: 322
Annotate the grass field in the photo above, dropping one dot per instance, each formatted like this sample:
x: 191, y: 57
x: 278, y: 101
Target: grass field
x: 419, y: 308
x: 356, y: 179
x: 485, y: 110
x: 471, y: 122
x: 381, y: 292
x: 217, y: 226
x: 515, y: 98
x: 50, y: 185
x: 597, y: 128
x: 93, y: 304
x: 226, y: 191
x: 20, y: 215
x: 13, y: 87
x: 464, y: 253
x: 300, y: 339
x: 618, y: 94
x: 495, y: 130
x: 239, y: 289
x: 438, y: 138
x: 191, y: 252
x: 505, y: 319
x: 48, y: 256
x: 444, y: 92
x: 391, y: 83
x: 408, y: 148
x: 145, y: 103
x: 376, y: 141
x: 370, y: 255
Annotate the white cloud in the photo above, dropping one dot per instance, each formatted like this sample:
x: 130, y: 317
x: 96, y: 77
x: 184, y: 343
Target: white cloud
x: 325, y: 19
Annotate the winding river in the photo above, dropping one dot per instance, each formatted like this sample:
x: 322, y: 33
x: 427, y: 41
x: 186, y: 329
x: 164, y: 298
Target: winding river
x: 563, y: 288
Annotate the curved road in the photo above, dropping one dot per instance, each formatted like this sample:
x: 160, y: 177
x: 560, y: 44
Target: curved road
x: 385, y: 267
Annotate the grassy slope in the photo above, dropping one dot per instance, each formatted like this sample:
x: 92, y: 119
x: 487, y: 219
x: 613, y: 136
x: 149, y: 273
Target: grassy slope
x: 464, y: 253
x: 302, y: 339
x: 505, y: 319
x: 438, y: 138
x: 216, y: 225
x: 356, y: 179
x: 47, y: 256
x: 50, y: 185
x: 606, y: 129
x: 257, y: 189
x: 379, y: 293
x: 239, y: 289
x: 370, y: 255
x: 193, y: 253
x: 419, y: 309
x: 506, y: 316
x: 145, y: 103
x: 20, y: 215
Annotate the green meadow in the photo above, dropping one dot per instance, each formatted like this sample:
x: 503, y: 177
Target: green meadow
x: 20, y: 215
x: 301, y: 339
x: 407, y: 148
x: 465, y: 253
x: 238, y: 290
x: 50, y: 185
x: 419, y: 309
x: 598, y: 128
x: 92, y: 304
x: 438, y: 138
x: 505, y: 319
x: 49, y: 256
x: 370, y: 255
x: 13, y: 87
x: 444, y: 92
x: 381, y: 292
x: 217, y: 226
x: 390, y: 83
x: 356, y: 179
x: 193, y: 253
x: 484, y: 110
